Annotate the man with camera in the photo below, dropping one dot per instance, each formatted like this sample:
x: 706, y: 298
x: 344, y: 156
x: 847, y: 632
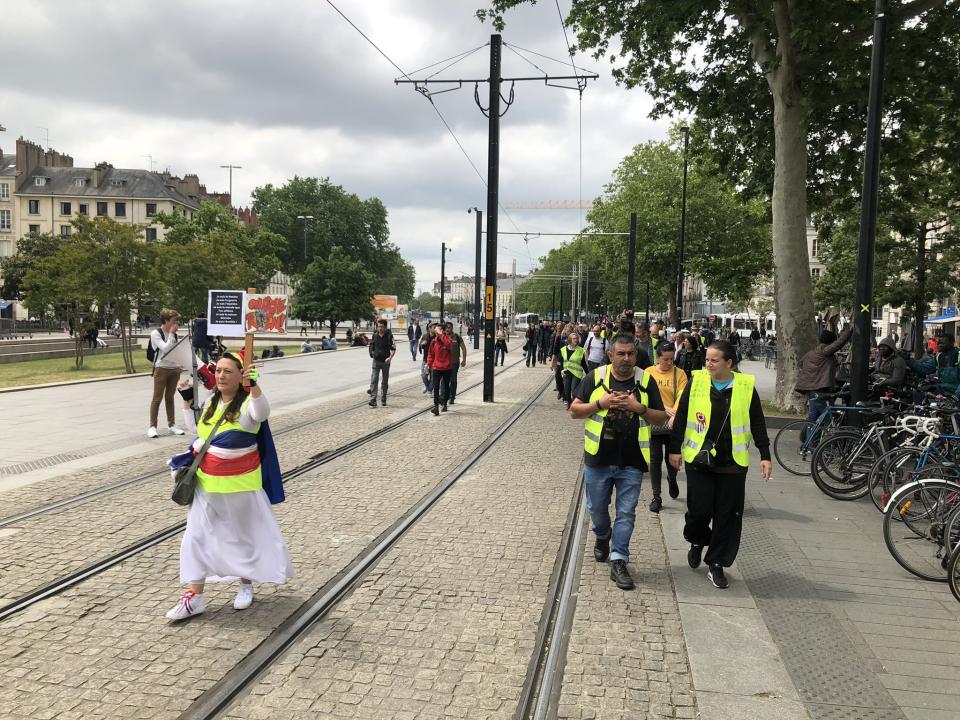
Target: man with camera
x: 618, y: 403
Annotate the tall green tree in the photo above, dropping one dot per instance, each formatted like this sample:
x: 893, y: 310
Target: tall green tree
x: 334, y: 289
x: 777, y: 88
x: 31, y: 249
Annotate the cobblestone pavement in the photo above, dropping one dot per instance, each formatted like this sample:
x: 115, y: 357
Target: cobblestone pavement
x: 627, y: 657
x: 70, y: 483
x: 103, y: 649
x: 444, y: 626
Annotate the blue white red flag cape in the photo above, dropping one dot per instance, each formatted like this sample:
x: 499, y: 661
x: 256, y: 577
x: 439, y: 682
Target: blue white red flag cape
x: 269, y: 463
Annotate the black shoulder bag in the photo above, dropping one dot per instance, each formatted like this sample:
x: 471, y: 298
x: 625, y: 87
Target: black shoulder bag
x: 185, y: 478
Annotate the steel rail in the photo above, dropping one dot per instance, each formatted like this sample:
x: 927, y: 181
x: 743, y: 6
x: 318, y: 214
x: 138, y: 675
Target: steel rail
x: 252, y: 666
x: 57, y: 586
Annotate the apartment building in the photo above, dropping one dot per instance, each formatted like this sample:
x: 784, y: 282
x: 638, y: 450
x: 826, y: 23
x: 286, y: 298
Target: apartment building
x: 8, y: 205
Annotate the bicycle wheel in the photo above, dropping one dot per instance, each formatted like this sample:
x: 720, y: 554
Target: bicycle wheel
x: 841, y: 465
x: 916, y: 541
x: 791, y: 451
x: 953, y: 573
x: 951, y: 533
x: 892, y: 470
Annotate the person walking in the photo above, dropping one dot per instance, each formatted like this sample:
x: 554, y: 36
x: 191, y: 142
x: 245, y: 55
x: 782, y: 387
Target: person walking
x: 440, y: 360
x: 595, y: 348
x: 559, y: 341
x: 719, y: 415
x: 457, y: 361
x: 645, y: 342
x: 382, y: 348
x: 531, y: 345
x: 425, y: 343
x: 574, y: 365
x: 671, y: 383
x: 166, y: 370
x: 617, y: 403
x: 231, y: 529
x: 414, y: 334
x: 690, y: 356
x: 500, y: 349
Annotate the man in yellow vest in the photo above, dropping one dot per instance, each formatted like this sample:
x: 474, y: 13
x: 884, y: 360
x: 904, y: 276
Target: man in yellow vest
x: 617, y: 403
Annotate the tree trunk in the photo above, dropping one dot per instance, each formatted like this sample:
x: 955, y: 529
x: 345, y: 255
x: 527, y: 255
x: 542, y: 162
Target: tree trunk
x: 796, y: 333
x: 78, y: 343
x: 333, y: 330
x: 920, y: 299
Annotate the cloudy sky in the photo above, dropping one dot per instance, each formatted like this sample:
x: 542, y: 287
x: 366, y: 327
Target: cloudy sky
x: 287, y: 88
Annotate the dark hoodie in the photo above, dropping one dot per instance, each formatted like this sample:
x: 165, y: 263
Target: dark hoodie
x: 890, y: 369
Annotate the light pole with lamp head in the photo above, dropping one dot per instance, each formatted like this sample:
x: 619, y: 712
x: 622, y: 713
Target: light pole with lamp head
x: 306, y: 220
x: 477, y: 315
x: 443, y: 281
x: 231, y: 168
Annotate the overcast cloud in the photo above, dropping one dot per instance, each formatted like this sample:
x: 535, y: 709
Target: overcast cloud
x: 288, y: 87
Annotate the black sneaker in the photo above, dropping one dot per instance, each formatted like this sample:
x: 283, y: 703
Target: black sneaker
x: 435, y: 410
x: 444, y: 407
x: 451, y: 401
x: 620, y: 575
x: 716, y: 576
x: 372, y: 403
x: 383, y: 402
x: 656, y: 504
x: 693, y: 556
x: 674, y: 488
x: 601, y: 550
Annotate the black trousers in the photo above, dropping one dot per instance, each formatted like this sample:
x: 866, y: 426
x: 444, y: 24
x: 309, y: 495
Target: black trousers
x: 570, y: 384
x: 658, y: 451
x: 715, y: 512
x: 441, y: 376
x: 558, y: 376
x: 499, y: 351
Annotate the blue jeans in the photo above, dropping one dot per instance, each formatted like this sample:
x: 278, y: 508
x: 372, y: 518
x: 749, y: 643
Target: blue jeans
x: 414, y: 346
x: 815, y: 409
x: 599, y: 482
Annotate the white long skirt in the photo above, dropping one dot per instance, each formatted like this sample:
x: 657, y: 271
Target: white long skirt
x: 230, y: 536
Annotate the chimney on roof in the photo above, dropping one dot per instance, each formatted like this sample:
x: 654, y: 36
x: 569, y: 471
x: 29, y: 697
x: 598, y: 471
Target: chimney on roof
x: 100, y: 171
x: 191, y: 185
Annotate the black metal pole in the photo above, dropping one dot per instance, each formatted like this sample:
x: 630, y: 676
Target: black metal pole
x: 493, y: 186
x: 648, y: 304
x: 631, y: 259
x: 443, y: 270
x: 476, y: 282
x: 683, y: 228
x: 863, y: 317
x: 561, y: 298
x: 553, y: 303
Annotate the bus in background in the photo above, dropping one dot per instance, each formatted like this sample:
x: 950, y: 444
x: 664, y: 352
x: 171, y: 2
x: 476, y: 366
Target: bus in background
x: 522, y: 321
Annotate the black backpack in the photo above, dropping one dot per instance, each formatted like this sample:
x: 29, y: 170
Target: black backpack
x: 151, y: 350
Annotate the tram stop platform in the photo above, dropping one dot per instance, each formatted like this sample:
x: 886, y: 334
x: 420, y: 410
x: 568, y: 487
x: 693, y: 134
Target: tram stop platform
x: 443, y: 569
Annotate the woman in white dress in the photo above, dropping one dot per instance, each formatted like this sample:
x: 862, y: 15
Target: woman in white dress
x: 231, y: 530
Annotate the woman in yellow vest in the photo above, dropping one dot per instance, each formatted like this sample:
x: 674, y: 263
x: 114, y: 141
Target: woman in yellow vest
x: 231, y: 530
x: 573, y: 363
x: 718, y: 416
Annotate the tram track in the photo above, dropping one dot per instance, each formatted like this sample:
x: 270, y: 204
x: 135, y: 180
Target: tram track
x: 245, y: 673
x: 58, y: 585
x: 88, y: 495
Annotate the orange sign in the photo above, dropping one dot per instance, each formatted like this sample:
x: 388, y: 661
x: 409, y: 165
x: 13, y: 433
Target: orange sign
x: 384, y: 306
x: 488, y: 310
x: 266, y: 313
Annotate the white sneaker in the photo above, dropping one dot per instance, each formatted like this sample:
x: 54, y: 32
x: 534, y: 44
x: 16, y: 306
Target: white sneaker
x: 174, y: 430
x: 190, y: 604
x: 152, y: 432
x: 244, y: 598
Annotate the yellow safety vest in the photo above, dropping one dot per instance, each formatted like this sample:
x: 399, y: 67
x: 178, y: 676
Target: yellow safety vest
x: 574, y: 363
x: 698, y: 416
x: 252, y: 480
x: 593, y: 425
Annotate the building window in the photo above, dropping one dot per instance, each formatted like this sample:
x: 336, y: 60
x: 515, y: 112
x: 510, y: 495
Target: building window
x: 6, y: 248
x: 815, y: 273
x: 815, y: 246
x: 101, y: 209
x: 66, y: 208
x: 65, y: 230
x: 877, y: 313
x: 120, y: 209
x: 34, y: 229
x: 151, y: 209
x: 5, y: 221
x: 33, y: 207
x: 40, y: 181
x: 151, y: 234
x: 4, y: 191
x: 80, y: 182
x: 83, y: 209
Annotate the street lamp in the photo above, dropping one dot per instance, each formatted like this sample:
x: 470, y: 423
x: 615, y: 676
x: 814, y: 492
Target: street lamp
x: 683, y: 228
x: 306, y: 219
x: 443, y: 270
x: 476, y: 280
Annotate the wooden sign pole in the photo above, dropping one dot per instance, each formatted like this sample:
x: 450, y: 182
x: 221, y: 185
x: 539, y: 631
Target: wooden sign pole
x: 248, y: 346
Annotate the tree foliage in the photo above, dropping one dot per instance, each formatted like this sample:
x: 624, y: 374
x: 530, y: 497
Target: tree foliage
x: 31, y: 249
x: 334, y: 289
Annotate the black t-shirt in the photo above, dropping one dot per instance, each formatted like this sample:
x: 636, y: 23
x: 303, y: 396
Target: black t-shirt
x: 619, y: 442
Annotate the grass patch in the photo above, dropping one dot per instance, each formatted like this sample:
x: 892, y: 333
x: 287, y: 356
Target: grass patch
x: 771, y: 409
x: 38, y: 372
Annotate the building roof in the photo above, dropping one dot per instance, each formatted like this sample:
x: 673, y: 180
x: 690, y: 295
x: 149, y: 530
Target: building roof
x: 8, y: 164
x: 114, y: 183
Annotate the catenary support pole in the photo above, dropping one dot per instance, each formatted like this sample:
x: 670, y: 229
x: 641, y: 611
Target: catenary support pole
x: 443, y: 278
x: 863, y: 317
x: 632, y: 260
x: 553, y: 303
x: 683, y: 229
x: 493, y: 186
